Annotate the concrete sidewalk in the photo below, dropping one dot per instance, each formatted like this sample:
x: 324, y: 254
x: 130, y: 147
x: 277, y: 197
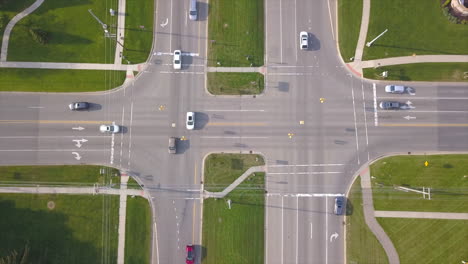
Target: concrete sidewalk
x: 71, y: 190
x: 412, y: 59
x: 122, y: 218
x: 120, y: 32
x: 374, y: 226
x: 424, y: 215
x: 235, y: 183
x: 77, y: 66
x: 12, y: 23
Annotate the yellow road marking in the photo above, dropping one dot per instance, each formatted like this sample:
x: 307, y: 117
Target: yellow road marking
x: 51, y: 122
x: 424, y: 125
x: 236, y: 124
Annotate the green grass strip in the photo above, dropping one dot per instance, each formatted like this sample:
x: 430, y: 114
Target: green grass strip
x: 138, y: 231
x: 433, y: 72
x: 236, y: 33
x: 349, y: 24
x: 235, y: 235
x: 228, y: 83
x: 223, y: 169
x: 52, y: 80
x: 361, y: 244
x: 428, y: 240
x: 414, y: 27
x: 446, y: 175
x: 58, y: 175
x: 60, y: 228
x: 138, y: 30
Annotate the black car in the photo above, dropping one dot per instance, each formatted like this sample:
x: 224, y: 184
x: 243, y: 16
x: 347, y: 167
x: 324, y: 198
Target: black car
x: 387, y: 105
x: 79, y: 106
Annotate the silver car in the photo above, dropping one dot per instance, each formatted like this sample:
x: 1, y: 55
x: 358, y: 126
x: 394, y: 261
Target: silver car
x: 339, y: 205
x: 397, y: 89
x: 109, y: 129
x: 304, y: 40
x: 389, y: 105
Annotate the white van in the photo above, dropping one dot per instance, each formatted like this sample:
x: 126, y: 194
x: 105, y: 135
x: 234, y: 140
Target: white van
x: 193, y: 10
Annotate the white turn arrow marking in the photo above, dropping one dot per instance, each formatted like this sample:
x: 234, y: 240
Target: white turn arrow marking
x: 409, y: 117
x: 333, y: 236
x: 77, y: 156
x: 409, y: 102
x: 78, y: 128
x: 165, y: 23
x: 79, y: 141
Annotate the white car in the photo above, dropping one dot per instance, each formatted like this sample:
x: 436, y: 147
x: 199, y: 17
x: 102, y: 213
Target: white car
x: 395, y: 89
x: 190, y: 124
x: 304, y: 40
x: 109, y: 129
x: 177, y: 60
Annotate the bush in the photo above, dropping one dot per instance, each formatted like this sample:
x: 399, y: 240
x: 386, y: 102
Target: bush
x: 449, y: 16
x: 4, y: 19
x: 39, y: 35
x: 446, y: 3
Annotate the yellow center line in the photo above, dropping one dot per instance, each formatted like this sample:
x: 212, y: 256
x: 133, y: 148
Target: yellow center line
x: 236, y: 124
x: 52, y: 122
x: 424, y: 125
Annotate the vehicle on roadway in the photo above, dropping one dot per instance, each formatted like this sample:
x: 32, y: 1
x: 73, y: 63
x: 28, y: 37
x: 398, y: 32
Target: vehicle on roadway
x: 304, y: 40
x: 177, y: 60
x: 396, y: 89
x: 339, y: 205
x: 172, y: 145
x: 389, y: 105
x: 190, y: 124
x: 78, y: 106
x: 193, y: 14
x: 109, y: 129
x: 190, y: 259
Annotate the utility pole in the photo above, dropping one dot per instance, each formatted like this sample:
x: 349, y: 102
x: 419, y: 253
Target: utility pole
x: 104, y: 26
x: 372, y: 41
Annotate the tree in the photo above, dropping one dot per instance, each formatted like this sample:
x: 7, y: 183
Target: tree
x: 15, y: 258
x: 40, y: 36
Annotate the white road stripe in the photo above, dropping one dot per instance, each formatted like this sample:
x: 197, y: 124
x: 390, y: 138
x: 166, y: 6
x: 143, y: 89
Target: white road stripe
x: 355, y: 126
x: 36, y: 107
x: 305, y: 195
x: 54, y: 137
x: 240, y: 137
x: 234, y: 110
x: 305, y: 173
x: 306, y: 165
x: 426, y: 98
x: 182, y: 72
x: 282, y: 228
x: 51, y: 150
x: 436, y: 111
x: 376, y: 117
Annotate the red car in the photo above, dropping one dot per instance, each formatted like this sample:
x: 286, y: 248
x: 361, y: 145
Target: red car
x: 190, y: 254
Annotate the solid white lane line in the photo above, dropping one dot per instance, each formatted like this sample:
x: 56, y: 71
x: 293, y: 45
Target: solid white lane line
x: 282, y: 229
x: 376, y: 117
x: 365, y: 119
x: 240, y: 137
x: 52, y: 150
x: 425, y: 98
x: 326, y: 231
x: 297, y: 227
x: 130, y: 136
x: 437, y: 111
x: 331, y: 20
x: 306, y: 195
x: 295, y: 25
x: 35, y: 107
x: 355, y: 125
x: 54, y: 137
x: 311, y: 230
x: 182, y: 72
x: 281, y: 39
x: 112, y: 147
x: 234, y: 110
x: 170, y: 31
x: 121, y: 136
x: 306, y: 165
x: 305, y: 173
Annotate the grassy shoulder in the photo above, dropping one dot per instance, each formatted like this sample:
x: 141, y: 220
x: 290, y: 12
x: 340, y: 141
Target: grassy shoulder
x: 133, y: 184
x: 236, y: 33
x: 445, y: 175
x: 236, y: 235
x: 426, y: 31
x: 440, y: 72
x: 137, y: 231
x: 73, y: 34
x: 234, y: 83
x: 60, y: 228
x: 58, y: 175
x: 138, y: 30
x: 52, y: 80
x: 361, y: 244
x: 349, y: 24
x: 223, y: 169
x: 430, y: 240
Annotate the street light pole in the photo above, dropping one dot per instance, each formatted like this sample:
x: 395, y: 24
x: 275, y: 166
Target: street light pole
x: 372, y: 41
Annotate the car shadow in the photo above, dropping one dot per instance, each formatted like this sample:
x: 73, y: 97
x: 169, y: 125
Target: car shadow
x: 201, y: 119
x: 182, y: 145
x: 94, y: 107
x: 314, y: 42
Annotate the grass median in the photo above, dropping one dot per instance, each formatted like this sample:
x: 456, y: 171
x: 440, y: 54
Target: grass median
x: 48, y: 80
x: 60, y: 228
x: 361, y: 244
x: 432, y: 72
x: 428, y: 240
x: 223, y: 169
x: 444, y: 174
x: 414, y: 27
x: 73, y: 35
x: 227, y: 83
x: 138, y: 231
x: 138, y: 30
x: 349, y: 21
x: 236, y: 33
x: 58, y: 175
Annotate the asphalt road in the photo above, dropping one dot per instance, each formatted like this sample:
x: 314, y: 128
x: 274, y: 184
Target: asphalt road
x: 316, y: 124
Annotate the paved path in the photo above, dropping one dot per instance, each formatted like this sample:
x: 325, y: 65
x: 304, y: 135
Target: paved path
x: 78, y: 66
x: 413, y: 59
x: 71, y: 190
x: 235, y: 183
x: 363, y: 31
x: 122, y: 218
x: 120, y: 33
x: 368, y: 205
x: 425, y: 215
x: 12, y: 23
x: 235, y: 69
